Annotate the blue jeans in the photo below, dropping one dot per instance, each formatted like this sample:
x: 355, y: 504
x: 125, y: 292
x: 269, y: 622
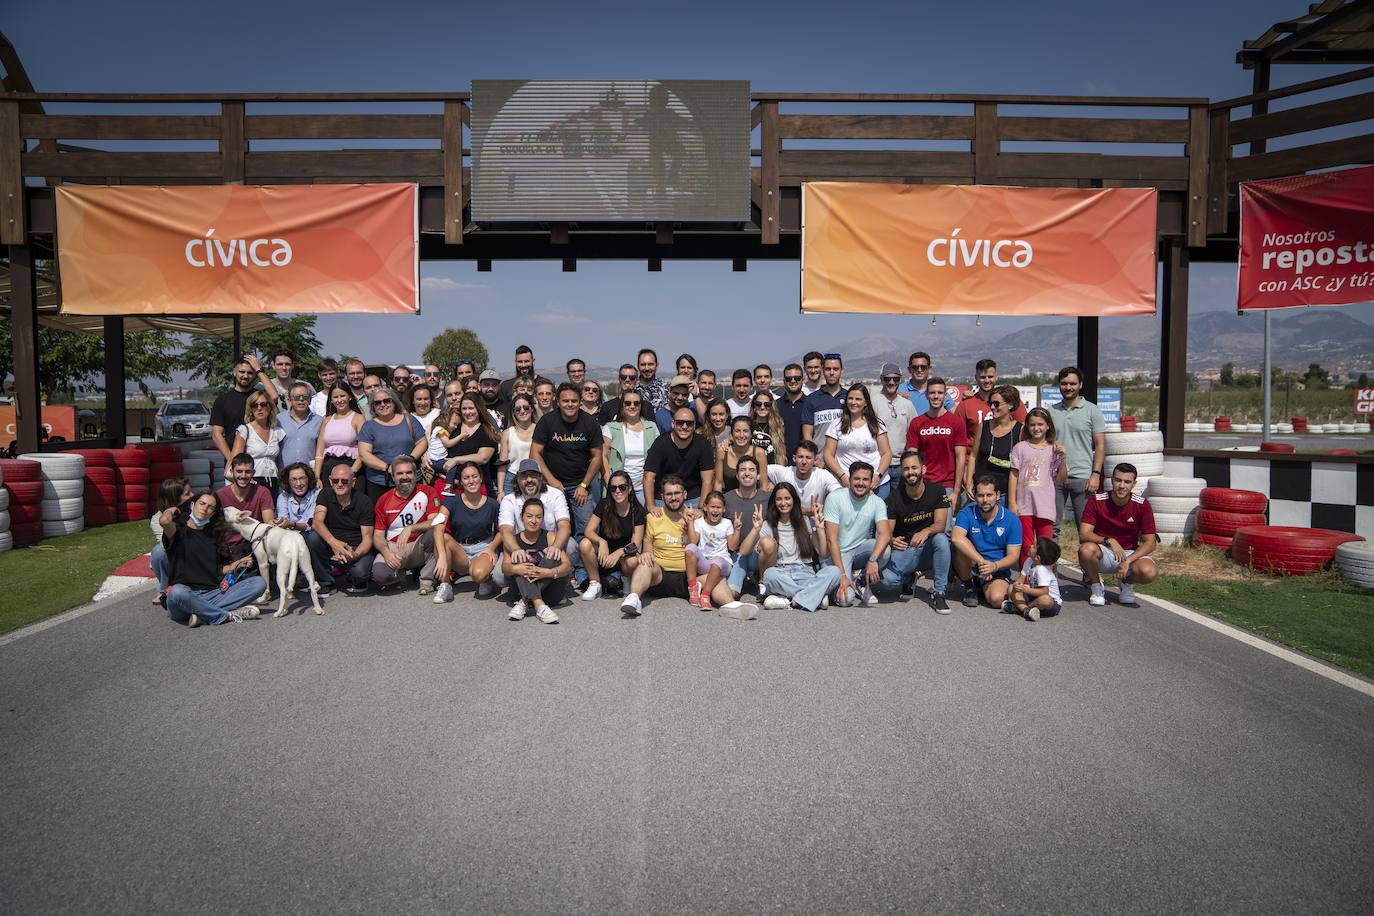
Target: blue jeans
x: 744, y: 566
x: 162, y: 567
x: 210, y: 604
x: 580, y: 516
x: 799, y: 582
x: 857, y: 559
x: 358, y: 573
x: 931, y: 557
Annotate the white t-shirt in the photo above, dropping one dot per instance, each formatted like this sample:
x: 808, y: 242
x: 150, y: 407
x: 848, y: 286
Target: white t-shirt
x: 555, y: 509
x: 427, y: 418
x: 1040, y: 577
x: 437, y: 450
x: 737, y: 409
x: 264, y: 454
x: 819, y: 485
x: 319, y: 404
x: 857, y: 445
x: 788, y: 551
x: 634, y: 452
x: 711, y: 538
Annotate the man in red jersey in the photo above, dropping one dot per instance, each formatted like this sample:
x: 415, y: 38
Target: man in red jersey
x: 1117, y: 535
x: 403, y: 533
x: 940, y: 437
x: 974, y: 409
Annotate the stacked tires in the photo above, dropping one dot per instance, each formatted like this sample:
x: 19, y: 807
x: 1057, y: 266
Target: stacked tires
x: 1175, y: 504
x: 165, y: 462
x: 216, y: 471
x: 1145, y: 450
x: 1225, y: 511
x: 1356, y: 563
x: 132, y: 477
x: 64, y: 503
x: 1287, y: 550
x: 98, y: 486
x: 23, y: 486
x: 6, y: 541
x: 198, y: 471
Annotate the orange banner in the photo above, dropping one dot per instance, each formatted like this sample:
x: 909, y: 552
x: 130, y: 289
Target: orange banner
x: 977, y: 249
x: 200, y: 249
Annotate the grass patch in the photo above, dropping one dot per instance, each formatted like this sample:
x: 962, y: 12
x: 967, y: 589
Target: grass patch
x: 1321, y: 615
x: 58, y: 574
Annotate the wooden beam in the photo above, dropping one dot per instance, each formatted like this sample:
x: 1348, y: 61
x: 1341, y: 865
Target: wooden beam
x: 114, y: 380
x: 24, y: 331
x: 986, y: 146
x: 1173, y: 350
x: 232, y: 144
x: 1303, y: 159
x: 125, y: 165
x: 120, y: 127
x: 1090, y: 166
x: 770, y: 171
x: 349, y: 126
x: 1326, y: 82
x: 218, y: 97
x: 12, y: 225
x: 1097, y: 101
x: 1094, y: 130
x: 1197, y: 175
x: 452, y: 131
x: 340, y: 163
x: 1218, y: 181
x: 1285, y: 47
x: 876, y: 127
x: 891, y: 164
x: 1087, y: 356
x: 663, y: 233
x: 1300, y: 120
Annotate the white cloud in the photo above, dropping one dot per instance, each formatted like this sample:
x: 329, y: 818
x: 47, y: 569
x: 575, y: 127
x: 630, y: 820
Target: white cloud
x: 553, y: 316
x: 448, y: 284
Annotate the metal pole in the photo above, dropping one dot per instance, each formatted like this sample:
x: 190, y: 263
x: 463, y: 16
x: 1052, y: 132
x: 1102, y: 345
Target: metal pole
x: 1268, y: 379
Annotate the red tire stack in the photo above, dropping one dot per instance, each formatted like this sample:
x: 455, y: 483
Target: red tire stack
x: 24, y: 484
x: 1287, y: 550
x: 1128, y: 424
x: 1299, y: 424
x: 164, y: 464
x: 1224, y: 511
x: 1276, y: 447
x: 1222, y: 424
x: 101, y: 491
x: 133, y: 497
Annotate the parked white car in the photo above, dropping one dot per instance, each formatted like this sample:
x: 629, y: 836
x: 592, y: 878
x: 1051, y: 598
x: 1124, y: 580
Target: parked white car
x: 181, y: 419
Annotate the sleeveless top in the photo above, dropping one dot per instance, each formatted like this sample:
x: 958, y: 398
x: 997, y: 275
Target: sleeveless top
x: 994, y: 454
x: 517, y: 449
x: 340, y: 438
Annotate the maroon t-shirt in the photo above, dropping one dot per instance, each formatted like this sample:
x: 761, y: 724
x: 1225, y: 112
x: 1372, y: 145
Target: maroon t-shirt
x: 259, y: 500
x: 1128, y: 523
x: 935, y: 438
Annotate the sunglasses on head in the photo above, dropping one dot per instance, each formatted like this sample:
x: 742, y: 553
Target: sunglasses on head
x: 462, y: 362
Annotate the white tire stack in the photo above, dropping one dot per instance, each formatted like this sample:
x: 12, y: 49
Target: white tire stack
x: 64, y: 505
x: 216, y: 466
x: 1144, y: 449
x: 1174, y: 502
x: 6, y: 542
x: 198, y: 471
x: 1356, y: 563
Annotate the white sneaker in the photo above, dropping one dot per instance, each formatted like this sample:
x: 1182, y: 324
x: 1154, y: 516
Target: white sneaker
x: 825, y: 602
x: 632, y: 605
x: 249, y: 612
x: 593, y: 591
x: 444, y: 594
x: 1128, y: 595
x: 871, y: 598
x: 485, y: 590
x: 739, y: 610
x: 518, y: 611
x: 193, y: 621
x: 546, y: 614
x: 776, y: 603
x: 1099, y: 595
x: 1032, y: 613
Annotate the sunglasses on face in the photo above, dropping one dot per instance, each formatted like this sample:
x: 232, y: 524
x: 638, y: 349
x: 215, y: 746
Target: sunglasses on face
x: 300, y: 397
x: 261, y: 405
x: 892, y: 378
x: 682, y: 422
x: 996, y: 404
x: 632, y: 403
x: 380, y: 401
x: 523, y: 408
x: 918, y: 367
x: 338, y: 481
x: 619, y: 487
x: 595, y: 388
x: 761, y: 405
x: 628, y: 378
x: 791, y: 378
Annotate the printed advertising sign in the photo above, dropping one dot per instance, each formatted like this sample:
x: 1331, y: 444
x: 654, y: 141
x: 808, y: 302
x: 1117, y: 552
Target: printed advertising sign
x: 977, y: 249
x: 228, y: 249
x: 1364, y: 400
x: 1108, y: 401
x: 1307, y: 240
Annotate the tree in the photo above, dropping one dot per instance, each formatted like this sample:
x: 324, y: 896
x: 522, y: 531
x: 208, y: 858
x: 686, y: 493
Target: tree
x: 1363, y: 381
x: 72, y: 364
x: 454, y: 344
x: 1228, y: 375
x: 212, y: 358
x: 1316, y: 377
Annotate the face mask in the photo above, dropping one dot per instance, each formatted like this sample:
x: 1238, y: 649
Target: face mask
x: 199, y: 523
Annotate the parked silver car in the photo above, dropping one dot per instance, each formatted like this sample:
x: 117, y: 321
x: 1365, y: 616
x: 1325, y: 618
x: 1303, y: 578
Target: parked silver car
x: 181, y: 419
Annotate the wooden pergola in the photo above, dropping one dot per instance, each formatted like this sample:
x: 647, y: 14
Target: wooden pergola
x: 1184, y: 147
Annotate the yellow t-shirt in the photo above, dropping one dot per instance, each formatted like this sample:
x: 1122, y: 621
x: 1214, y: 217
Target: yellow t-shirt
x: 665, y: 538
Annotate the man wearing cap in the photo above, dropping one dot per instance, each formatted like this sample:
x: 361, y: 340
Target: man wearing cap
x: 894, y: 410
x: 679, y: 395
x: 529, y: 484
x: 489, y: 386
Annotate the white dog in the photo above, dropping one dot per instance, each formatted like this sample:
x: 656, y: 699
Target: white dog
x: 281, y: 547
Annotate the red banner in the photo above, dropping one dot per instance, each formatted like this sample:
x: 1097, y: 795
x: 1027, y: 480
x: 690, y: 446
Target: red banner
x: 1307, y: 240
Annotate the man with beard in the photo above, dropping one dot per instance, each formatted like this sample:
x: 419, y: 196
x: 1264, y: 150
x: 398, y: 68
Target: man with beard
x: 662, y: 569
x: 489, y: 387
x: 973, y: 408
x: 986, y: 546
x: 654, y: 389
x: 857, y: 532
x: 894, y: 409
x: 919, y: 511
x: 402, y: 531
x: 679, y: 396
x: 524, y: 369
x: 227, y: 411
x: 566, y: 443
x: 355, y: 375
x: 529, y: 484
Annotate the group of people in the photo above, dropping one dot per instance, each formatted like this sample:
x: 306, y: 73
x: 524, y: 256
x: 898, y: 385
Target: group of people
x: 804, y: 494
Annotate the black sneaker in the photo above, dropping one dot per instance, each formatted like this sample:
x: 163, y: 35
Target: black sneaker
x: 970, y: 597
x: 939, y: 604
x: 326, y: 591
x: 908, y: 591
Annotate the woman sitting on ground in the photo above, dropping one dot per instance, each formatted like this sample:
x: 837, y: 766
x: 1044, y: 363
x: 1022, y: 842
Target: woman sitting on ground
x: 610, y: 545
x: 175, y: 491
x: 296, y: 501
x: 539, y: 579
x: 465, y: 541
x: 197, y: 545
x: 788, y: 551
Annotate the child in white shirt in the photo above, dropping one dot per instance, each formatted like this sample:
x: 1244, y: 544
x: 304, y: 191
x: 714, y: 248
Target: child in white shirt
x: 1036, y: 593
x: 710, y: 540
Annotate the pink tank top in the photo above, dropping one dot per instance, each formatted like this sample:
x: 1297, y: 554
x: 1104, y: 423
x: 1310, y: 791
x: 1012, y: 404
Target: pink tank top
x: 340, y: 439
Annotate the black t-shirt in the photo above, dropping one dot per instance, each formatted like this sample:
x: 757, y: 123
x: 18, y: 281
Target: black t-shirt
x: 535, y: 550
x: 227, y: 411
x: 911, y: 515
x: 568, y: 447
x: 347, y: 524
x: 627, y: 523
x: 609, y: 411
x: 472, y: 526
x: 471, y: 445
x: 195, y: 557
x: 665, y: 458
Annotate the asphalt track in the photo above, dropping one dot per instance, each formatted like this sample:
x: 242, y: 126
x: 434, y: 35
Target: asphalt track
x: 395, y: 756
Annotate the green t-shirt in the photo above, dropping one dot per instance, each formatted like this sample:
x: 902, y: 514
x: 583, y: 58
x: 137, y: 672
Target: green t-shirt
x: 1075, y: 427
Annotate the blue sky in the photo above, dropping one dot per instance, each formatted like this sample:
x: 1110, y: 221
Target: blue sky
x: 605, y: 310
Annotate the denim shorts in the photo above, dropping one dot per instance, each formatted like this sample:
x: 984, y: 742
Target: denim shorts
x: 1108, y: 563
